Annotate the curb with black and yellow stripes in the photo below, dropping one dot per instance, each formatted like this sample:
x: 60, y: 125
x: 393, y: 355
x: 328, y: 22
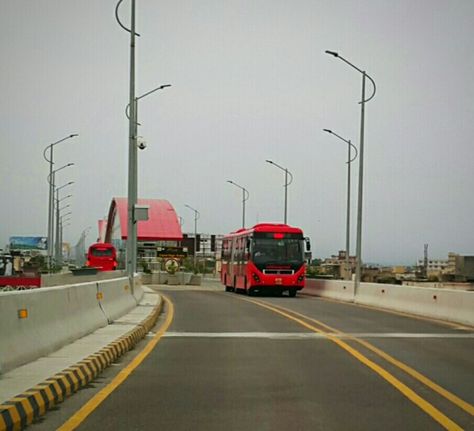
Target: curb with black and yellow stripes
x: 25, y: 408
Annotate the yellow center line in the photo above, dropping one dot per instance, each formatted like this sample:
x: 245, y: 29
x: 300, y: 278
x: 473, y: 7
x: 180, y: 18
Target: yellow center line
x: 74, y: 421
x: 427, y: 407
x: 469, y: 408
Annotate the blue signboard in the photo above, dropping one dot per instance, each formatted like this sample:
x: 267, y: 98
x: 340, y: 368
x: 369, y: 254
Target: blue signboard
x: 28, y: 243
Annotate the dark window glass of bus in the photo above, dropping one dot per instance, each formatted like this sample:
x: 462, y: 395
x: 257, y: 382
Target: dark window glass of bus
x: 102, y: 252
x: 267, y: 251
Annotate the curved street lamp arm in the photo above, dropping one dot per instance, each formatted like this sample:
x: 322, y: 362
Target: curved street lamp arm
x: 118, y: 19
x: 57, y: 142
x: 335, y: 54
x: 127, y: 109
x: 56, y: 170
x: 282, y: 168
x: 152, y: 91
x: 356, y: 152
x: 197, y: 214
x: 246, y: 192
x: 346, y: 141
x: 375, y: 88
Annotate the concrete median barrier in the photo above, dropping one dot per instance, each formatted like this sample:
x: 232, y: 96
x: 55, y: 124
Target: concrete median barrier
x: 444, y: 304
x: 116, y: 298
x: 37, y: 322
x: 335, y: 289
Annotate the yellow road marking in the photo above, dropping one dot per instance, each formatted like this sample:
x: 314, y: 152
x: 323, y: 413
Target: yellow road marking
x: 469, y: 408
x: 427, y: 407
x: 74, y: 421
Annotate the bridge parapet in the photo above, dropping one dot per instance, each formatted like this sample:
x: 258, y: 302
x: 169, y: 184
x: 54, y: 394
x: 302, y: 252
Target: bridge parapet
x: 444, y: 304
x: 37, y: 322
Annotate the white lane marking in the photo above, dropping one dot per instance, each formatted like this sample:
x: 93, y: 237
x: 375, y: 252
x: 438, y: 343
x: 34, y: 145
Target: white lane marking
x: 305, y: 335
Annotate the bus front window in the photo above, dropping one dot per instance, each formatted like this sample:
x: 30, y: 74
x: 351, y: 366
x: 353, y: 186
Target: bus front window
x: 268, y: 251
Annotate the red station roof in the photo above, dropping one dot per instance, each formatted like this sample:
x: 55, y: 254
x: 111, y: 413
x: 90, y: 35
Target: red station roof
x: 162, y: 223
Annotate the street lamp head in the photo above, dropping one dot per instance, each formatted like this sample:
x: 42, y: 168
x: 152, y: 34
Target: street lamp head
x: 74, y: 135
x: 70, y: 164
x: 335, y: 54
x: 269, y: 161
x: 327, y: 130
x: 230, y: 181
x: 164, y: 86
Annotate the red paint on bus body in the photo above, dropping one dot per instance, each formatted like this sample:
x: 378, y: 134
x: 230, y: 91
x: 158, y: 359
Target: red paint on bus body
x: 102, y: 256
x: 267, y: 257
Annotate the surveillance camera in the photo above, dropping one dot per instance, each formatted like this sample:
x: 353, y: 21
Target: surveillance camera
x: 141, y: 143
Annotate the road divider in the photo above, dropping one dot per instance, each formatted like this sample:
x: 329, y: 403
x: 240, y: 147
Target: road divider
x: 37, y: 322
x: 444, y: 304
x: 28, y: 406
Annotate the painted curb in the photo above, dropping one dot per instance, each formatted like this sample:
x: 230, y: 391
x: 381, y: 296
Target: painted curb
x: 25, y: 408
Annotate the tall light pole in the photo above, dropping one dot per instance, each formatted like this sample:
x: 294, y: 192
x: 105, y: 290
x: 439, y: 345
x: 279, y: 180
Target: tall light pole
x: 132, y: 150
x: 196, y: 216
x: 132, y: 115
x: 245, y: 197
x: 287, y: 172
x: 64, y: 223
x: 59, y: 239
x: 361, y: 166
x: 51, y: 180
x: 348, y: 210
x: 51, y: 194
x: 58, y: 242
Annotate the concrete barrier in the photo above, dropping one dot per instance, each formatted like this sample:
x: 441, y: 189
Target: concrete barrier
x: 444, y: 304
x: 66, y: 278
x: 34, y: 323
x: 52, y: 317
x: 335, y: 289
x: 115, y: 297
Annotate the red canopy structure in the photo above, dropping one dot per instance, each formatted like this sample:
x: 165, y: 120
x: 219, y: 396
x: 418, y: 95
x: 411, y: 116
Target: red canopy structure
x: 162, y: 223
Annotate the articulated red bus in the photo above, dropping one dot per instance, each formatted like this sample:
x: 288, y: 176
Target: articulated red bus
x: 267, y: 257
x: 102, y: 256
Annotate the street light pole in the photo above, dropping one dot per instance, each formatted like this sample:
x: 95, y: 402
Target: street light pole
x: 51, y: 194
x: 348, y: 210
x: 196, y: 216
x: 51, y: 180
x: 361, y: 166
x: 245, y: 196
x: 132, y: 150
x: 59, y: 236
x: 287, y: 172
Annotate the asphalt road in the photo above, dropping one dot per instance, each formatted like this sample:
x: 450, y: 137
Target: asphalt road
x: 232, y: 362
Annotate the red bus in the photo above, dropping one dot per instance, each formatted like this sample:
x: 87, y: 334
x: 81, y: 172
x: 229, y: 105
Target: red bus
x: 266, y: 257
x: 102, y: 256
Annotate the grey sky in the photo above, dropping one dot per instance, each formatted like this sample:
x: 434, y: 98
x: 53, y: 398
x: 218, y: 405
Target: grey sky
x: 250, y: 82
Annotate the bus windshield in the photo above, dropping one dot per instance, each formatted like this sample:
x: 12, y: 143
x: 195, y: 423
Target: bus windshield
x: 102, y: 252
x: 270, y: 251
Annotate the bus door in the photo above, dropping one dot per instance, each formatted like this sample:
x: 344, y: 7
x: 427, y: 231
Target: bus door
x: 231, y: 259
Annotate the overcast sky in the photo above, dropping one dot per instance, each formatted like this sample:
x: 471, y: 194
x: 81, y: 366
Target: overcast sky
x: 250, y: 81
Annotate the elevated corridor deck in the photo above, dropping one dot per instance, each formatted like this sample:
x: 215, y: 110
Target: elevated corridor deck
x: 233, y: 362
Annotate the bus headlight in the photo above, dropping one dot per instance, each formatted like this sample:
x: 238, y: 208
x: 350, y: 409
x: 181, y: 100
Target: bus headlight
x: 256, y: 277
x: 300, y: 278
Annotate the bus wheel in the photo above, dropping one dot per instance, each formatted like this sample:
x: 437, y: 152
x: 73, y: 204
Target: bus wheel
x: 228, y: 289
x: 292, y: 293
x: 251, y: 291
